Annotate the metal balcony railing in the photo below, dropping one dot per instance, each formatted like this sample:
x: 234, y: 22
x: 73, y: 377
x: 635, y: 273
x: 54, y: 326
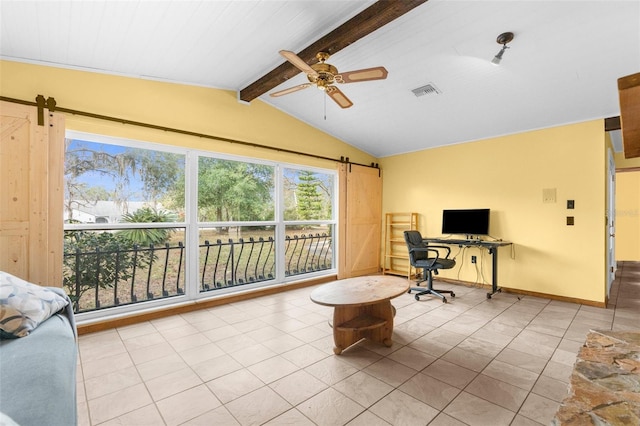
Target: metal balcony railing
x: 108, y: 277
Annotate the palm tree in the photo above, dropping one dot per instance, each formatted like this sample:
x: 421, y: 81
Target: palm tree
x: 147, y: 236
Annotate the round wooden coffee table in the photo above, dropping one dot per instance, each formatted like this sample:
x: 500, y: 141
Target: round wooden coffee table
x: 362, y: 308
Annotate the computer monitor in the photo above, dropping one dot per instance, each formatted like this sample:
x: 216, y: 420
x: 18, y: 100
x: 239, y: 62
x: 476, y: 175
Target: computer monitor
x: 468, y: 221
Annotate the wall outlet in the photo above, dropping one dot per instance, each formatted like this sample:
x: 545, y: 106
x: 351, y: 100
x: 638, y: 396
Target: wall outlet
x: 473, y: 259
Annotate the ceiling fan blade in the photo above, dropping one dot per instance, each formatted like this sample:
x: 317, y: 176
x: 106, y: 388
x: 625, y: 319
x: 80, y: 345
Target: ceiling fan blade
x: 297, y: 62
x: 334, y: 93
x: 290, y: 90
x: 367, y: 74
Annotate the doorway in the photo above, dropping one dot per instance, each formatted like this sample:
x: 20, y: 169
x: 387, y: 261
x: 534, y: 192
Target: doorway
x: 611, y: 216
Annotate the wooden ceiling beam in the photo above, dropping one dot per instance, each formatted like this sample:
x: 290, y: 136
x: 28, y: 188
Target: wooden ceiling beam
x: 375, y: 16
x: 629, y: 95
x: 612, y: 123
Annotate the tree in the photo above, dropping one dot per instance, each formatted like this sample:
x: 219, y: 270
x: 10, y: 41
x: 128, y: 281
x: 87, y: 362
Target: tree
x: 84, y: 158
x: 234, y: 191
x: 96, y: 193
x: 289, y: 187
x: 309, y: 199
x: 94, y: 259
x: 159, y: 172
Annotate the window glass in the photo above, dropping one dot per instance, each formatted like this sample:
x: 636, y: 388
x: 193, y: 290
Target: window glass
x: 236, y: 255
x: 107, y: 183
x: 308, y: 248
x: 308, y: 195
x: 231, y: 191
x: 103, y: 269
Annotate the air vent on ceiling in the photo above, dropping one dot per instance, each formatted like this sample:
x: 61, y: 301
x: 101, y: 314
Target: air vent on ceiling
x: 428, y: 89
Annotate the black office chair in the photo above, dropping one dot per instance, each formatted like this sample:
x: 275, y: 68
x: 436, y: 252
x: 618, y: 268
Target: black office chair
x: 428, y: 258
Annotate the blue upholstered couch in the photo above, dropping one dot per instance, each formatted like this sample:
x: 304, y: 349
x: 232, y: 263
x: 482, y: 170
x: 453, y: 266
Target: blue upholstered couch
x: 38, y: 373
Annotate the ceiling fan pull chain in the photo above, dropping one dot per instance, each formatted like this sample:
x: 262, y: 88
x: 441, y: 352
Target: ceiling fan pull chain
x: 325, y: 107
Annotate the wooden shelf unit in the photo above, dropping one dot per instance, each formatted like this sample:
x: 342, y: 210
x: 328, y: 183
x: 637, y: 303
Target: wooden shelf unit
x: 396, y: 256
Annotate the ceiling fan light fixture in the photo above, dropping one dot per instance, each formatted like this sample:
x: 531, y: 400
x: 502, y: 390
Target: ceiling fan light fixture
x: 498, y: 58
x: 502, y: 39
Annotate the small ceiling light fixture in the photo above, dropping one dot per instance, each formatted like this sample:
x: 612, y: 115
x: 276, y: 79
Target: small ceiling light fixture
x: 502, y: 39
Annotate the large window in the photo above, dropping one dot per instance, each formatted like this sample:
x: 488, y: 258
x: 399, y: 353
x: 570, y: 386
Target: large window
x: 151, y: 223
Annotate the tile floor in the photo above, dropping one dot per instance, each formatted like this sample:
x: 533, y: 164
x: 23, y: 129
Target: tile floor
x: 269, y: 360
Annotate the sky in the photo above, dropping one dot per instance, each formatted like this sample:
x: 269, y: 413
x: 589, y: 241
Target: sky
x: 97, y: 179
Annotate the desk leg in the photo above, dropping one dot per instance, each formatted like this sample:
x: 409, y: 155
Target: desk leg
x: 494, y: 273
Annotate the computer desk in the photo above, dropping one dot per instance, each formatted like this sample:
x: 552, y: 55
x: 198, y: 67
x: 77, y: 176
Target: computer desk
x: 492, y: 246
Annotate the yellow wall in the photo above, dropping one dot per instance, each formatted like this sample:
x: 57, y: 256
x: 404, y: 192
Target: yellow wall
x: 508, y: 175
x: 628, y: 216
x: 626, y: 163
x: 197, y: 109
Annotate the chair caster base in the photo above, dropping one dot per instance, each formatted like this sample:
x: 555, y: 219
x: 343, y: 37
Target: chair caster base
x: 444, y: 299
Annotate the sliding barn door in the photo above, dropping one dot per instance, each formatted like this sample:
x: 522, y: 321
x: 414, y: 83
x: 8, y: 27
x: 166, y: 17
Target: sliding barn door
x: 31, y: 194
x: 360, y: 220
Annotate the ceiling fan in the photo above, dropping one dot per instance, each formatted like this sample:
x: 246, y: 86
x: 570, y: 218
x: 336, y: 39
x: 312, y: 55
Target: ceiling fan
x: 324, y: 75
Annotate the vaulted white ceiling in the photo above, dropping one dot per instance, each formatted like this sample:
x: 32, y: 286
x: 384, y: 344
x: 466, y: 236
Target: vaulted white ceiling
x: 562, y: 66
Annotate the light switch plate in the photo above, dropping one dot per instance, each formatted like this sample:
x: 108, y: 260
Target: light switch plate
x: 549, y: 195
